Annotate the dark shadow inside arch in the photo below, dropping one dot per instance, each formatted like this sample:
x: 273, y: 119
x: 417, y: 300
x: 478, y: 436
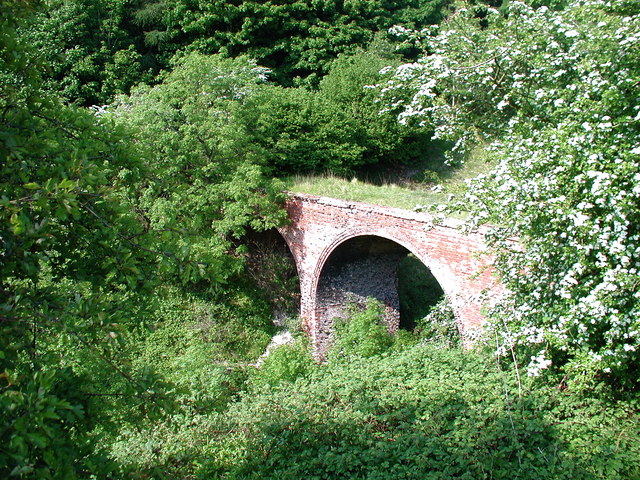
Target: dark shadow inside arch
x: 272, y: 267
x: 372, y: 266
x: 418, y: 290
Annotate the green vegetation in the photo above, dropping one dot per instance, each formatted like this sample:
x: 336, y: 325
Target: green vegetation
x: 138, y: 284
x: 363, y: 334
x: 205, y: 178
x: 431, y: 183
x: 564, y: 124
x: 422, y: 413
x: 392, y: 195
x: 101, y: 48
x: 379, y: 409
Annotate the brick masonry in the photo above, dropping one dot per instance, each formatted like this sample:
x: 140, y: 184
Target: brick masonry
x: 458, y: 261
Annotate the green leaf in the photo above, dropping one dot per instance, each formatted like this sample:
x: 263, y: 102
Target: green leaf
x: 67, y: 184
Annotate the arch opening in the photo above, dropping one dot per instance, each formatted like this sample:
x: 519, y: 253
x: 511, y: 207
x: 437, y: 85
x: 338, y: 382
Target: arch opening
x: 418, y: 290
x: 273, y: 269
x: 372, y: 266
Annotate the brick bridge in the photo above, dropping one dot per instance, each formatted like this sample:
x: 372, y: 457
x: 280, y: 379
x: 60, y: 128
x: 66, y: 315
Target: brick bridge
x: 326, y: 234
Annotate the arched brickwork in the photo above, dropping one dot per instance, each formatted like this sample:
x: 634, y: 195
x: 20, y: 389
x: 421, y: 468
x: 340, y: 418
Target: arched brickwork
x: 359, y: 267
x: 319, y: 225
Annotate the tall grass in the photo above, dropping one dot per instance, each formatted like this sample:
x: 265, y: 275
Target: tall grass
x: 428, y: 184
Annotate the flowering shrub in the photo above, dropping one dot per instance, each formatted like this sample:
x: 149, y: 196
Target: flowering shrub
x: 555, y: 95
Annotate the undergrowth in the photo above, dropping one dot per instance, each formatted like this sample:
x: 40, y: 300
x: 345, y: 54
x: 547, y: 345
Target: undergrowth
x: 422, y: 413
x: 390, y: 409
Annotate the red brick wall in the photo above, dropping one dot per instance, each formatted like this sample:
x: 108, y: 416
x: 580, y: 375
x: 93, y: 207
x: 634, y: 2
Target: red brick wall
x: 319, y: 224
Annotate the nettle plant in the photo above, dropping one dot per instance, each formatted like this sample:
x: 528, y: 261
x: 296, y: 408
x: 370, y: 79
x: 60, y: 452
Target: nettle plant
x: 556, y: 97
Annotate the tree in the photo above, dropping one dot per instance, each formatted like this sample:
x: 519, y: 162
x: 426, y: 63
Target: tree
x: 206, y: 188
x: 68, y: 258
x: 99, y: 49
x: 335, y: 128
x: 92, y: 221
x: 295, y: 38
x: 93, y: 49
x: 563, y: 122
x: 347, y: 88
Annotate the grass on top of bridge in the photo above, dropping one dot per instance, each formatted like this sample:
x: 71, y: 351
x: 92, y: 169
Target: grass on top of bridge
x: 432, y: 183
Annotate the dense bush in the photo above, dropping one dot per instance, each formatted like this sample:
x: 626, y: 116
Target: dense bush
x: 95, y: 49
x: 336, y: 128
x: 285, y: 364
x: 563, y: 123
x: 84, y: 250
x: 421, y: 413
x: 362, y: 334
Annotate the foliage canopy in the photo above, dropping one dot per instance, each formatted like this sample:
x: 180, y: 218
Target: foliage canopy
x: 98, y: 49
x: 563, y: 120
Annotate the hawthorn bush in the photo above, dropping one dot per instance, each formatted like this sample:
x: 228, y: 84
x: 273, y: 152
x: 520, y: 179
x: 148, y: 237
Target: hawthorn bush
x: 554, y: 95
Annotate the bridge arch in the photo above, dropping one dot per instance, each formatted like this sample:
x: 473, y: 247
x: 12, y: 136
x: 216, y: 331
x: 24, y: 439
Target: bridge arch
x: 440, y: 271
x: 371, y: 273
x: 319, y: 225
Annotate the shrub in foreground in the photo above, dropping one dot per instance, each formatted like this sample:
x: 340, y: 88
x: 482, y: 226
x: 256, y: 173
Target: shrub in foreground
x: 423, y: 413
